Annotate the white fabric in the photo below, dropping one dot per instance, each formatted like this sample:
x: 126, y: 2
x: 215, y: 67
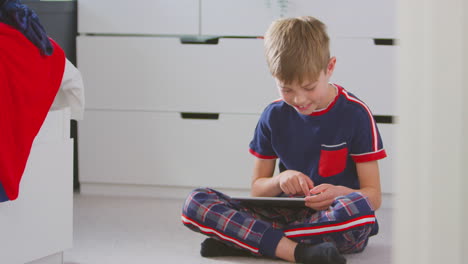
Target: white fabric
x: 71, y: 92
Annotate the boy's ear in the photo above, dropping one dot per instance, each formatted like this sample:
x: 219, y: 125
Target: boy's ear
x: 331, y: 66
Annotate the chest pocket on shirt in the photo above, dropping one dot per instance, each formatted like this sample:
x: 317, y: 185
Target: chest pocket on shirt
x: 333, y: 159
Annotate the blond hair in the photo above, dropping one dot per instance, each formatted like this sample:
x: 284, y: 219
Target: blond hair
x: 297, y: 49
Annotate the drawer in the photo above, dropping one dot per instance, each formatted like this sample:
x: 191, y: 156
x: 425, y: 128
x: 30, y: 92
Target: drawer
x: 40, y: 222
x: 56, y: 127
x: 161, y: 74
x: 158, y: 148
x: 237, y: 17
x: 368, y: 71
x: 350, y: 18
x: 138, y: 16
x: 345, y: 18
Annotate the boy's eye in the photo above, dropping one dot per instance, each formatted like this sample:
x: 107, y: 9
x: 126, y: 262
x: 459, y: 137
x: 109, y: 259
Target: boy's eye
x: 310, y: 88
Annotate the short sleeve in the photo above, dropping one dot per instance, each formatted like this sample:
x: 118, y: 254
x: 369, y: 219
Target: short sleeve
x: 366, y: 143
x: 261, y: 145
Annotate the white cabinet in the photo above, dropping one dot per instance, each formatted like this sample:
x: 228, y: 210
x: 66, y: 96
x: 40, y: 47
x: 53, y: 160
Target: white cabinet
x: 161, y: 74
x: 138, y: 16
x: 40, y: 222
x: 231, y: 77
x: 344, y: 18
x: 140, y: 77
x: 159, y: 148
x: 133, y: 132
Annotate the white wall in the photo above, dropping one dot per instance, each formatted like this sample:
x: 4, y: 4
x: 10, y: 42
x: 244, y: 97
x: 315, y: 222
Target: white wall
x: 430, y: 206
x: 464, y: 145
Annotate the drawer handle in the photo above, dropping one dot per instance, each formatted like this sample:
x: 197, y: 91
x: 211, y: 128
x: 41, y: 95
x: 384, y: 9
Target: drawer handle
x: 384, y: 119
x: 203, y: 40
x: 384, y: 42
x: 205, y: 116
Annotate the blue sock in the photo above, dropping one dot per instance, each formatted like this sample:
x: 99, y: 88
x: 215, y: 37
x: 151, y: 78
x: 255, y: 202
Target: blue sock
x: 215, y: 248
x: 324, y: 253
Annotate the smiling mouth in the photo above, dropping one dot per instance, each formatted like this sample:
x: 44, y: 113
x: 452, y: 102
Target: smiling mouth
x: 301, y: 107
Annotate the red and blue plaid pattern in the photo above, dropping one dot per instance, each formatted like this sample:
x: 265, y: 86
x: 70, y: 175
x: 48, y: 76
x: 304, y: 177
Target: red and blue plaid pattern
x: 348, y: 223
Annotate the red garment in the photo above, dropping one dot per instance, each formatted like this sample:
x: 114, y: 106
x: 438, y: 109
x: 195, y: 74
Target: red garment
x: 28, y: 85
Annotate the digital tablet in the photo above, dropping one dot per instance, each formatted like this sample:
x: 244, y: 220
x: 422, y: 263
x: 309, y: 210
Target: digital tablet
x: 270, y: 201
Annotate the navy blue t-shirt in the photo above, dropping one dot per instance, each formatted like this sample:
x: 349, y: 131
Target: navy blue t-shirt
x: 324, y: 145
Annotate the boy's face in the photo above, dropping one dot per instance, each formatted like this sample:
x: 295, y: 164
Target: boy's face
x: 310, y: 95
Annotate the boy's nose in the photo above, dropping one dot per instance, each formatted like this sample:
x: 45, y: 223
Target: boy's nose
x: 299, y: 100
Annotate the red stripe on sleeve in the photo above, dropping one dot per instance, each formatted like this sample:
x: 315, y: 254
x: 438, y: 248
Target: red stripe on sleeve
x: 370, y: 156
x: 260, y: 156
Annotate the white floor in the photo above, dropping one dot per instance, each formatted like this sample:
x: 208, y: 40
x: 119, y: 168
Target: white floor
x: 119, y: 230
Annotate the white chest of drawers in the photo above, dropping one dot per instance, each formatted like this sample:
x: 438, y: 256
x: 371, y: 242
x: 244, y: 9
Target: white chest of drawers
x: 140, y: 78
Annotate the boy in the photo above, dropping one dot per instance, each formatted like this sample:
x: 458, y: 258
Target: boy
x: 328, y: 145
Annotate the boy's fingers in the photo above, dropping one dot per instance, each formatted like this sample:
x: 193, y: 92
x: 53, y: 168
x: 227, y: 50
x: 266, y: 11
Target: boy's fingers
x: 304, y: 187
x: 318, y: 189
x: 317, y: 198
x: 298, y: 185
x: 312, y: 199
x: 310, y: 183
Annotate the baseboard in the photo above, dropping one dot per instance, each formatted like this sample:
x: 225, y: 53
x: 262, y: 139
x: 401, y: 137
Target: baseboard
x: 170, y: 192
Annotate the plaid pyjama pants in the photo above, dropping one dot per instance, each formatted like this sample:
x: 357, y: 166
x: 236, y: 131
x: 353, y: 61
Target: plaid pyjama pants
x: 348, y: 222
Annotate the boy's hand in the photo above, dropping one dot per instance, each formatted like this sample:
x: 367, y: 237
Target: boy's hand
x: 324, y: 196
x: 294, y: 182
